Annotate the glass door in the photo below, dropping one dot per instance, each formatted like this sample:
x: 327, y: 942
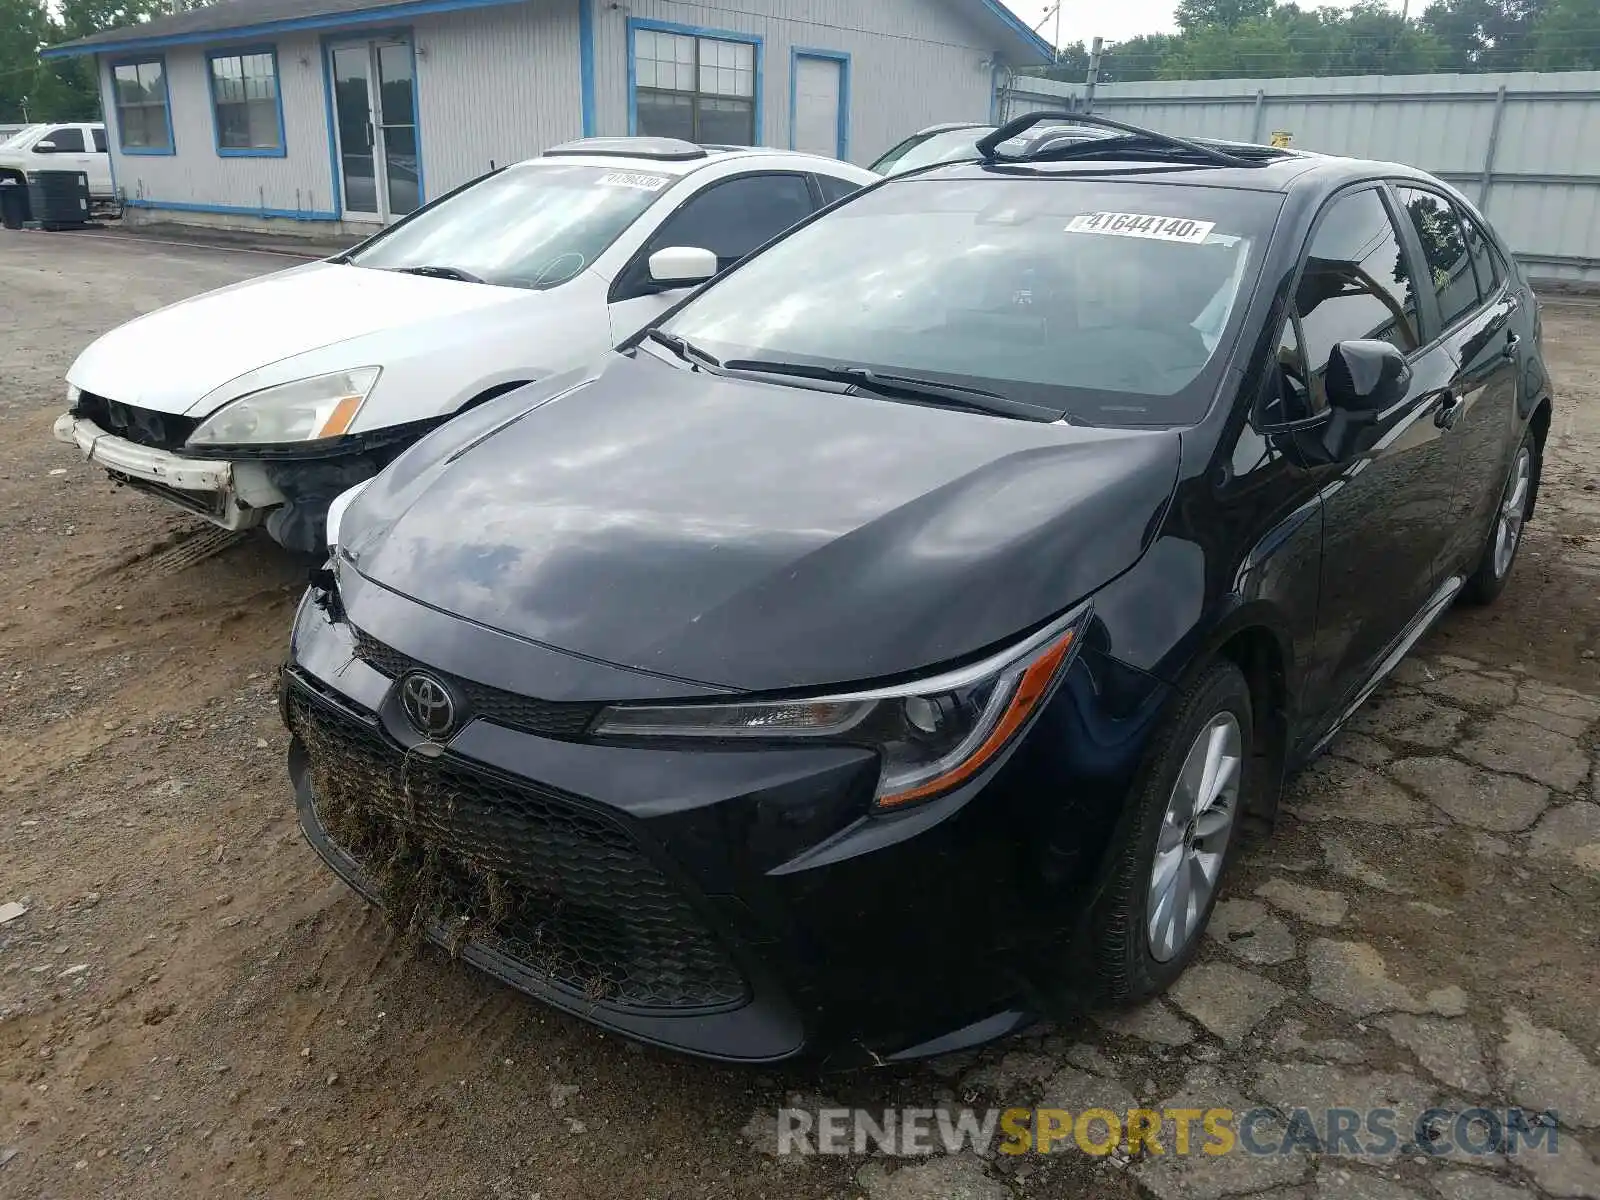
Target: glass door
x: 375, y: 119
x: 352, y: 106
x: 397, y: 110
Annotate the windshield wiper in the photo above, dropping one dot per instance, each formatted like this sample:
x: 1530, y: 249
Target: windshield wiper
x: 945, y: 395
x: 684, y: 349
x: 441, y: 273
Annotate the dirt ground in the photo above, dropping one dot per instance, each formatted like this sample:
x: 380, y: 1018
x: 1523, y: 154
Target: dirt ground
x: 192, y: 1003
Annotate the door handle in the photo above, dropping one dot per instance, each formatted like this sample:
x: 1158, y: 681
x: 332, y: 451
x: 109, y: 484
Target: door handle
x: 1512, y: 342
x: 1451, y: 407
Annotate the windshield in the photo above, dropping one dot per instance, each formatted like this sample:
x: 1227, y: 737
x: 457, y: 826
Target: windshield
x: 1106, y: 301
x: 923, y: 150
x: 19, y: 135
x: 533, y: 226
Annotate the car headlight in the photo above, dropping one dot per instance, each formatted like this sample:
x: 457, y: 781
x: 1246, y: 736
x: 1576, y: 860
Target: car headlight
x: 306, y: 410
x: 74, y: 394
x: 933, y: 734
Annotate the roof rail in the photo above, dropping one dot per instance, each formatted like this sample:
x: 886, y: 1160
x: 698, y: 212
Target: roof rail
x: 989, y: 145
x: 661, y: 149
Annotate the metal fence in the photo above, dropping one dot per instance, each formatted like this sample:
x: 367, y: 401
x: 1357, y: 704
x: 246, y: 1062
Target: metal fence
x: 1524, y: 145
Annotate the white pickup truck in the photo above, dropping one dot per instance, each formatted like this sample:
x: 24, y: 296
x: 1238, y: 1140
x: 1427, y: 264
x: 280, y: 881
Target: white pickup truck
x: 59, y: 146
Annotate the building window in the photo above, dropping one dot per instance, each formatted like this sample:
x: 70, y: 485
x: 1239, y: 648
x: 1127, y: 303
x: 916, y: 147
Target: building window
x: 700, y: 89
x: 140, y: 92
x: 245, y: 105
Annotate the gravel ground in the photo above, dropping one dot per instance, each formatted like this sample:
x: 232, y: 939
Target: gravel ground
x: 191, y: 1002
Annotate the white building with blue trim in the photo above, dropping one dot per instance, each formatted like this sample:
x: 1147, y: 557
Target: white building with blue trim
x: 349, y: 113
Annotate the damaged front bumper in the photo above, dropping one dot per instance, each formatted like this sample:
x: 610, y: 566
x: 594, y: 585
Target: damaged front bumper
x: 232, y: 495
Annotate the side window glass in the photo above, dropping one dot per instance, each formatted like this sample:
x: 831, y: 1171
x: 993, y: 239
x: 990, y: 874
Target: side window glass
x: 99, y: 140
x: 1485, y: 263
x: 733, y: 218
x: 1290, y: 397
x: 834, y: 188
x: 1356, y: 283
x: 1444, y: 251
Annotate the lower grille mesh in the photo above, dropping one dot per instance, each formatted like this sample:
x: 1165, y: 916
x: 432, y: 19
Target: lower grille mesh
x: 561, y: 890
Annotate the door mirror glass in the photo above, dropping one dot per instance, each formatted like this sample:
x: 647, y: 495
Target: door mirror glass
x: 679, y: 266
x: 1365, y: 377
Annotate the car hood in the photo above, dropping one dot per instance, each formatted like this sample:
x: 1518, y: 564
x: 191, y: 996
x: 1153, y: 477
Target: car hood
x: 172, y: 359
x: 756, y: 536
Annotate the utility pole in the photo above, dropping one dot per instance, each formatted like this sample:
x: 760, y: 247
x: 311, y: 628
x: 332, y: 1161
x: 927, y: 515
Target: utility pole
x: 1057, y: 41
x: 1093, y: 77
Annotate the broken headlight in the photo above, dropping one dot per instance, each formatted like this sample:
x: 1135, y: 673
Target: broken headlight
x: 305, y: 410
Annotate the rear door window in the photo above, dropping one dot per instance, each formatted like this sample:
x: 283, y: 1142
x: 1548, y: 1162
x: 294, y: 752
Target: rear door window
x: 1444, y: 252
x: 99, y: 140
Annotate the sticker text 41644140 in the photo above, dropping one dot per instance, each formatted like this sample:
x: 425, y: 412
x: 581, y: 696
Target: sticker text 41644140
x: 1141, y: 225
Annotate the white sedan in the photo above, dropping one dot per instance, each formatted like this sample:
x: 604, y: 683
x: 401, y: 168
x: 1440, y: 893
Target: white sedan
x: 263, y: 401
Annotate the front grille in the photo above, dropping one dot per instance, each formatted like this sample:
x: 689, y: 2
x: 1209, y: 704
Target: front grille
x: 548, y: 718
x: 557, y: 887
x: 207, y: 504
x: 163, y: 431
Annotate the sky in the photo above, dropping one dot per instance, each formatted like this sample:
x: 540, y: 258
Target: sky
x: 1082, y: 20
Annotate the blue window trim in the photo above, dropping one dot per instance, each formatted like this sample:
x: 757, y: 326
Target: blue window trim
x: 345, y: 20
x: 171, y: 148
x: 639, y: 24
x: 796, y: 53
x: 287, y: 214
x: 363, y: 37
x: 335, y: 179
x: 586, y: 63
x: 282, y: 149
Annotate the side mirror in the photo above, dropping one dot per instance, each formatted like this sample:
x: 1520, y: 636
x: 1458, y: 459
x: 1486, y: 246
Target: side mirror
x: 1366, y: 377
x: 44, y: 147
x: 680, y: 266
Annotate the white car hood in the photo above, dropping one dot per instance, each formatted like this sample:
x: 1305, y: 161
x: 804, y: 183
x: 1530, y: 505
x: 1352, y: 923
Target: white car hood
x: 171, y: 359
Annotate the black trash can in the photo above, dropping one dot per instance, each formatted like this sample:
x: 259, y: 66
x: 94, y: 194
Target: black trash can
x: 13, y: 204
x: 59, y: 199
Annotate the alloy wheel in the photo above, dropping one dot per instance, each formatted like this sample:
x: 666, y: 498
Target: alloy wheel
x: 1194, y: 836
x: 1513, y: 512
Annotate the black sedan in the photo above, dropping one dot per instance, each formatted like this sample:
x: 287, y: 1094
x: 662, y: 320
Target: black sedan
x: 895, y: 641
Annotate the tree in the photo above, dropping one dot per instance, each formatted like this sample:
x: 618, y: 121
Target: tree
x: 1223, y: 14
x: 1566, y: 38
x: 24, y: 27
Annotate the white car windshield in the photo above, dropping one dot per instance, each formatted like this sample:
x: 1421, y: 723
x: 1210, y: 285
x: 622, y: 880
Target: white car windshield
x: 948, y: 146
x: 532, y: 226
x: 19, y: 136
x: 1105, y: 300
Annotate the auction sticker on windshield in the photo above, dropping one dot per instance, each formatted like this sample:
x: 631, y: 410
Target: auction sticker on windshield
x: 1140, y: 225
x: 633, y: 179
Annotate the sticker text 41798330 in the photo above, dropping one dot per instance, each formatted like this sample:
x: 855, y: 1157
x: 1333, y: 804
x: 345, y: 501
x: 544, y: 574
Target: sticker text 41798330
x: 1141, y: 225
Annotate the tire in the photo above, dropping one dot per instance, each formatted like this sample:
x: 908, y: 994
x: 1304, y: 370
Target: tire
x: 1131, y: 963
x: 1490, y: 576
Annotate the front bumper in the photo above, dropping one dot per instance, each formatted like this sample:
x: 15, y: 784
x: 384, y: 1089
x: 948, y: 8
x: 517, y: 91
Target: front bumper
x: 741, y: 905
x: 232, y: 495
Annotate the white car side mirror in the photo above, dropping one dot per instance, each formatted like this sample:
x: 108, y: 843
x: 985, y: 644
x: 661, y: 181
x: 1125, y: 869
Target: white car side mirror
x: 680, y: 266
x: 44, y: 147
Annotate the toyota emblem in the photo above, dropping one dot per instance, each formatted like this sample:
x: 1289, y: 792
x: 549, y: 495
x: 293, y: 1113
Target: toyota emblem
x: 429, y: 706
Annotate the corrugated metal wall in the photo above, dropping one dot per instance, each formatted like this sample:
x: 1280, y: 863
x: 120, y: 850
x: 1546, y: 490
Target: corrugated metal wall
x: 912, y: 63
x: 300, y: 182
x: 495, y: 85
x: 1524, y: 145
